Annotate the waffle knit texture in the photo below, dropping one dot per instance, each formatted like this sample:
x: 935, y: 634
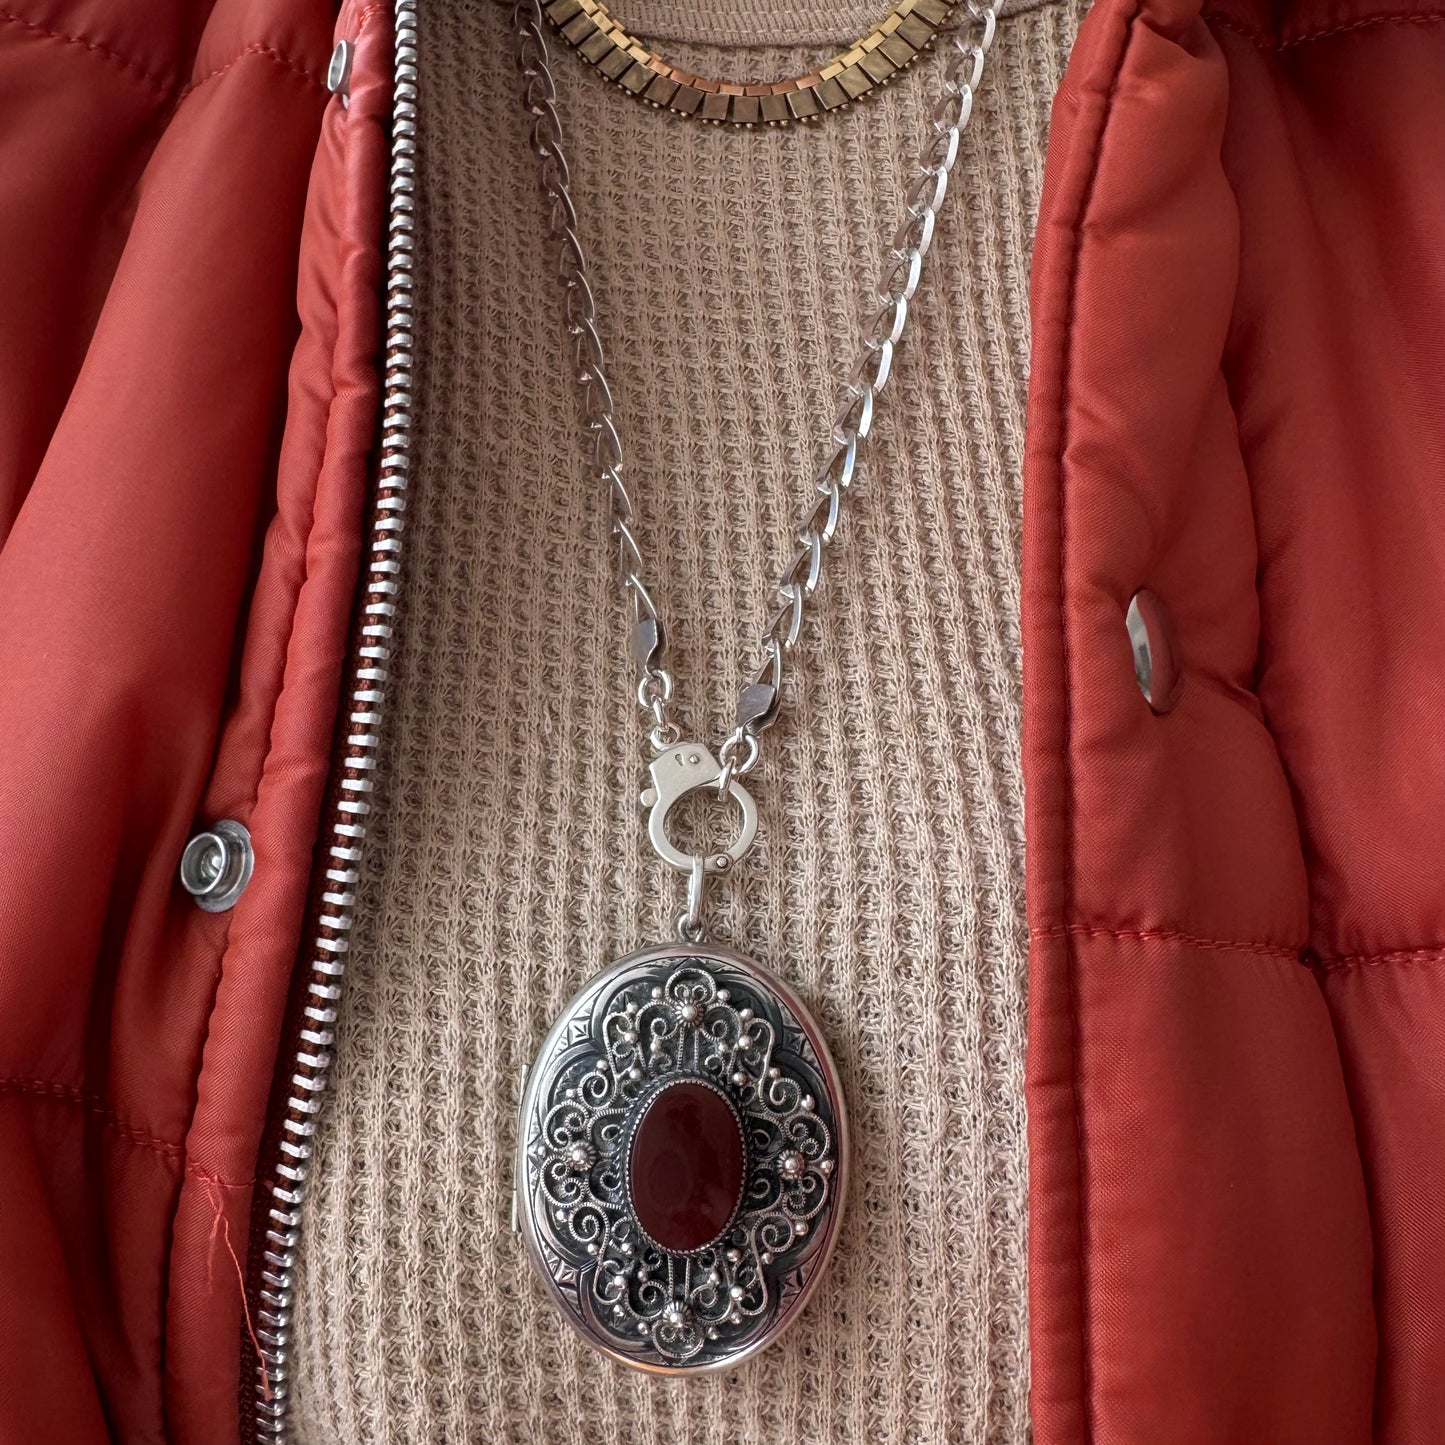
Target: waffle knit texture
x: 508, y: 859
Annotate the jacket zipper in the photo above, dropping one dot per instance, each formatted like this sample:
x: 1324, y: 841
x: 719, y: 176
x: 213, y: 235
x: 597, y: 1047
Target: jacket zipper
x: 287, y: 1164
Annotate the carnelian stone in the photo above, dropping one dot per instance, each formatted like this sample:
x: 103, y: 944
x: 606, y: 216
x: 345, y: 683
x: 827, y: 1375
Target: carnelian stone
x: 685, y: 1171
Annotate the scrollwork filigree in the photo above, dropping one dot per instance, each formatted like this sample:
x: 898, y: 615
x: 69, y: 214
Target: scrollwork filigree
x: 689, y: 1018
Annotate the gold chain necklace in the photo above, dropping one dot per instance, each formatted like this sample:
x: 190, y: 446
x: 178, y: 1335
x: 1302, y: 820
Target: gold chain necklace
x: 890, y: 47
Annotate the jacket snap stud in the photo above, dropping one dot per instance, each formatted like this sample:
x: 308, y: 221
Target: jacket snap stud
x: 216, y: 866
x: 1158, y: 668
x: 338, y: 73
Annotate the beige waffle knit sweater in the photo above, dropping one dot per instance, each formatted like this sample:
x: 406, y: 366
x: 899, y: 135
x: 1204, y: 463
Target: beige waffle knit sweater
x: 509, y: 861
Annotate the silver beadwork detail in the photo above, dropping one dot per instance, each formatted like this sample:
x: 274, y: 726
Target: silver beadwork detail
x: 657, y: 1018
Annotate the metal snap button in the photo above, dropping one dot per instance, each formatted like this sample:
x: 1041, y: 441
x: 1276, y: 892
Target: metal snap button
x: 1158, y: 667
x: 216, y: 866
x: 338, y: 73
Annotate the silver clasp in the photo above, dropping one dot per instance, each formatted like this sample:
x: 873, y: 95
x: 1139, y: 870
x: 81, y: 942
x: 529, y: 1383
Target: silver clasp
x: 683, y: 769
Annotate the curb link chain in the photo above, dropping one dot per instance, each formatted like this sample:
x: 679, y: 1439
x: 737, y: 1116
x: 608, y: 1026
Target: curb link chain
x: 967, y: 46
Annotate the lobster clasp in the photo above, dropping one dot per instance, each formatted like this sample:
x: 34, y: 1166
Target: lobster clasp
x: 681, y: 770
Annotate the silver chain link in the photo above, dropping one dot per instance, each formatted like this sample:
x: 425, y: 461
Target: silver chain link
x: 967, y: 48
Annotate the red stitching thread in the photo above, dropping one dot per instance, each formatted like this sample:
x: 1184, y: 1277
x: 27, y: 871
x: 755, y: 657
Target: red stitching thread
x: 1279, y: 46
x: 1426, y: 953
x: 1432, y: 953
x: 156, y: 83
x: 270, y: 53
x: 221, y: 1226
x: 7, y: 18
x: 1169, y: 935
x: 67, y: 1094
x: 1365, y: 24
x: 78, y: 1098
x: 196, y: 1172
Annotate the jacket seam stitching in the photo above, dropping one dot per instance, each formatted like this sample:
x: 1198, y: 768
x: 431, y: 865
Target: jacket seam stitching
x: 1277, y: 46
x: 69, y: 1094
x: 268, y: 52
x: 164, y: 87
x: 56, y: 1092
x: 42, y: 32
x: 1172, y: 935
x: 1066, y: 728
x: 1427, y: 953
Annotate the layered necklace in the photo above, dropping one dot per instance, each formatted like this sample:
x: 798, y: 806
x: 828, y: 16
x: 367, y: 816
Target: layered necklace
x: 682, y: 1151
x: 907, y: 30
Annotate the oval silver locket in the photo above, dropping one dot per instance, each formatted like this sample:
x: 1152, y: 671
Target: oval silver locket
x: 682, y: 1159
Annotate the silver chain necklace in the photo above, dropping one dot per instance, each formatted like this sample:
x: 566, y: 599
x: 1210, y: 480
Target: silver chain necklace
x: 682, y: 1142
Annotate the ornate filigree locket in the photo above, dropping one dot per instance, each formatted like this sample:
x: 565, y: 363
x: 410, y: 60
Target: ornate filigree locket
x: 682, y: 1149
x: 682, y: 1159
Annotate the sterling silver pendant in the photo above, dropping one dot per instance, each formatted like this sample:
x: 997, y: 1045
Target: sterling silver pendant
x: 682, y: 1159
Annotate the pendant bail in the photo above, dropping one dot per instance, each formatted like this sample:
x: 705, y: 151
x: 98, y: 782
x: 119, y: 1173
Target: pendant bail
x: 690, y: 927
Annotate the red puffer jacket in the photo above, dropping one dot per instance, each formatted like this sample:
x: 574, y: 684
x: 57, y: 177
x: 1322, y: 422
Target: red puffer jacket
x: 1237, y: 1036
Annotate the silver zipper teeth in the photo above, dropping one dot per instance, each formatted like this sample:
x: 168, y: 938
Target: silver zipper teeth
x: 346, y: 825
